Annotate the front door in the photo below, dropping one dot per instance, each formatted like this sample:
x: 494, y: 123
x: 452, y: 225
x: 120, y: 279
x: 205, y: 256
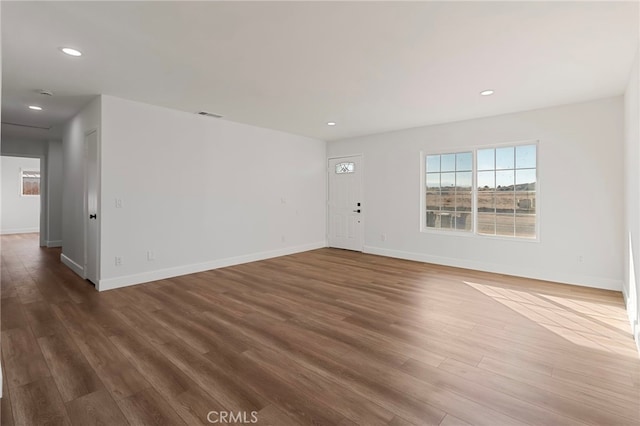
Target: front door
x: 346, y: 220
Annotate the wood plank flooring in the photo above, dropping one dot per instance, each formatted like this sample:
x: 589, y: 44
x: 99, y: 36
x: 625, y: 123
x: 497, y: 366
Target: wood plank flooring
x: 327, y: 337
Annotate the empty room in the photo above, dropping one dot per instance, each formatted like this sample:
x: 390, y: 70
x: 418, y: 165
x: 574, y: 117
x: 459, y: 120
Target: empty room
x: 320, y: 213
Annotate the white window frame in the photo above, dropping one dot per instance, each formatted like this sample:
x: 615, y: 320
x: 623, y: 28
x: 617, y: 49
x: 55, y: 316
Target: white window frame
x: 474, y: 199
x: 423, y: 204
x: 21, y: 179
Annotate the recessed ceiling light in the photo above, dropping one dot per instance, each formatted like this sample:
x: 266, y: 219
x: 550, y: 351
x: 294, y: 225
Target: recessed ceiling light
x: 331, y: 123
x: 35, y: 107
x: 486, y: 92
x: 71, y: 52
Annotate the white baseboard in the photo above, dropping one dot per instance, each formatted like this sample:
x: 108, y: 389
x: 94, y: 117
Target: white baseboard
x: 633, y: 322
x: 628, y: 307
x: 57, y: 243
x: 127, y: 280
x: 72, y: 265
x: 585, y: 281
x: 19, y: 231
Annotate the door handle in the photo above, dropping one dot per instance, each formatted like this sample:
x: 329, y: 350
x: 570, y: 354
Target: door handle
x: 93, y: 216
x: 357, y: 211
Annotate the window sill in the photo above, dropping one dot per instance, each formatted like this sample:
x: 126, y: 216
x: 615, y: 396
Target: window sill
x: 467, y: 234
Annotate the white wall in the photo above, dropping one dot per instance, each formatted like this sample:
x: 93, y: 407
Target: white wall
x: 202, y: 192
x: 73, y: 183
x: 24, y: 147
x: 631, y: 287
x: 20, y: 214
x: 580, y: 198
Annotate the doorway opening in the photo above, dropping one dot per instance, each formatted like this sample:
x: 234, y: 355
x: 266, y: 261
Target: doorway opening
x: 22, y: 197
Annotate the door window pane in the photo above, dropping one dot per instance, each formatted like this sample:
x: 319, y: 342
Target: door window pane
x: 345, y: 168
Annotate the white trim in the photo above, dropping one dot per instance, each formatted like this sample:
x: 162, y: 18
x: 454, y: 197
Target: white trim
x: 98, y: 202
x: 127, y: 280
x: 633, y: 322
x: 20, y: 231
x: 21, y: 180
x: 362, y: 168
x: 57, y: 243
x: 474, y: 185
x: 581, y: 280
x: 75, y: 267
x: 625, y: 297
x: 336, y: 157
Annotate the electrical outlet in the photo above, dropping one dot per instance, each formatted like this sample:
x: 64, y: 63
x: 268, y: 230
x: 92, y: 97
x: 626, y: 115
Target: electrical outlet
x: 383, y: 237
x: 580, y: 259
x: 118, y: 203
x: 283, y: 239
x: 150, y: 255
x: 118, y: 261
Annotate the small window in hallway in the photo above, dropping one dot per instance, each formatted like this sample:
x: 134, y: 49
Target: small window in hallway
x: 29, y: 182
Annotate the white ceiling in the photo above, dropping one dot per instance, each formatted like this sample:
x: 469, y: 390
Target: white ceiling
x: 294, y: 66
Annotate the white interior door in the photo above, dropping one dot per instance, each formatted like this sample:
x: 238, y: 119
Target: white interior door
x: 91, y: 209
x: 346, y: 219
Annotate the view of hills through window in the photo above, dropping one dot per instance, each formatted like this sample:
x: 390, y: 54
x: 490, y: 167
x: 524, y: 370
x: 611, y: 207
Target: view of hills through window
x: 504, y: 191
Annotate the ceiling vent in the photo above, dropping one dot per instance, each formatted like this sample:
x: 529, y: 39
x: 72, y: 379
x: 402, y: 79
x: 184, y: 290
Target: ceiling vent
x: 209, y: 114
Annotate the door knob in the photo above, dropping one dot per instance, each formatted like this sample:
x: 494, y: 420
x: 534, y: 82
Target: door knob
x: 93, y: 216
x: 357, y: 211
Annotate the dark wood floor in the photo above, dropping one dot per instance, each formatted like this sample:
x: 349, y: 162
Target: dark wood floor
x: 327, y: 337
